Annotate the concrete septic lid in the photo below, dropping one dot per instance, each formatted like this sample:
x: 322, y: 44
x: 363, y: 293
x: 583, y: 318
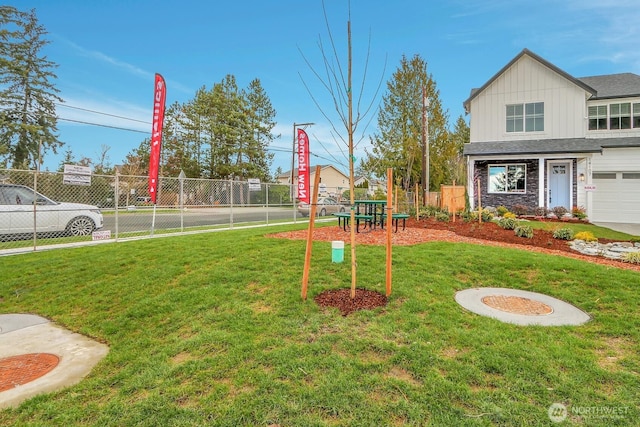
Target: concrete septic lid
x: 520, y: 307
x: 34, y: 339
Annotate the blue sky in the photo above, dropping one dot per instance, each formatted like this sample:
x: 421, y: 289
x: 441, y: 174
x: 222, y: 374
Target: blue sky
x: 108, y: 52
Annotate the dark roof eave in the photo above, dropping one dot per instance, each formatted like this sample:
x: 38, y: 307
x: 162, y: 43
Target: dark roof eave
x: 534, y: 153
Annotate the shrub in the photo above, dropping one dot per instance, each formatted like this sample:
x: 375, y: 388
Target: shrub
x: 509, y: 215
x: 541, y: 211
x: 501, y: 210
x: 524, y: 231
x: 520, y: 210
x: 563, y: 234
x: 587, y: 236
x: 508, y: 223
x: 559, y: 211
x: 635, y: 240
x: 578, y: 212
x: 469, y: 216
x: 631, y: 257
x: 486, y: 215
x: 429, y: 211
x: 442, y: 216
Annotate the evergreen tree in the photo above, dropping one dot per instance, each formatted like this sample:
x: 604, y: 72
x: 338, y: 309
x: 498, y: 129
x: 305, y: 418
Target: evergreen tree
x: 27, y: 95
x: 253, y: 157
x: 457, y: 167
x: 223, y: 132
x: 398, y: 144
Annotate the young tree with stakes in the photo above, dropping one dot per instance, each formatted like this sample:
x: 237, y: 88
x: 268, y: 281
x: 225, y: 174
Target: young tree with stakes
x: 341, y: 93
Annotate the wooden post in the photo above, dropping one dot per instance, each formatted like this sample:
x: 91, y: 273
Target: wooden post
x: 312, y: 217
x: 389, y: 223
x: 479, y: 204
x: 454, y: 202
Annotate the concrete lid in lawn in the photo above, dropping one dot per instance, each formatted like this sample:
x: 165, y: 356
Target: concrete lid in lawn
x: 37, y: 356
x: 520, y: 307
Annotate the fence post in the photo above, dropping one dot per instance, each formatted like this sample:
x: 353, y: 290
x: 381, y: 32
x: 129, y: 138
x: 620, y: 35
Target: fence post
x: 231, y: 202
x: 181, y: 178
x: 116, y: 198
x: 266, y: 192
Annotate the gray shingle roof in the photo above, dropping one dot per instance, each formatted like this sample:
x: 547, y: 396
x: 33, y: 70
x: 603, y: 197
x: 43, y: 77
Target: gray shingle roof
x: 548, y: 146
x: 614, y: 85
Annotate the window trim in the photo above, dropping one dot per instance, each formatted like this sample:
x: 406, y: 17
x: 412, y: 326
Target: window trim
x: 506, y: 168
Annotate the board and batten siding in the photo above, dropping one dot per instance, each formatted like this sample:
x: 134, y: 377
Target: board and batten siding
x: 616, y: 160
x: 526, y: 81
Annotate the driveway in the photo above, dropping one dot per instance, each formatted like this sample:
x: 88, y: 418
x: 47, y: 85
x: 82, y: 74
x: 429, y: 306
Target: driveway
x: 633, y: 229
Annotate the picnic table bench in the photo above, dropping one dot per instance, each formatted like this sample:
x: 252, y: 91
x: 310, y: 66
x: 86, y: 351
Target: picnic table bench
x: 345, y: 217
x: 395, y: 218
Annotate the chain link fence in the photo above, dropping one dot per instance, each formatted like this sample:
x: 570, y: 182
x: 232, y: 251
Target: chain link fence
x: 45, y: 208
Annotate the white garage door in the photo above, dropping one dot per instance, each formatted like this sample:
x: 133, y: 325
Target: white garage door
x: 616, y: 198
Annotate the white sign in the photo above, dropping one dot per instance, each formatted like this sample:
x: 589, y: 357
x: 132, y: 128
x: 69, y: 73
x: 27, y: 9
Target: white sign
x: 590, y: 187
x: 254, y: 184
x: 76, y: 175
x: 101, y: 235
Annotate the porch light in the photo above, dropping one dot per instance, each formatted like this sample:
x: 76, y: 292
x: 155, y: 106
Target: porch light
x: 581, y: 177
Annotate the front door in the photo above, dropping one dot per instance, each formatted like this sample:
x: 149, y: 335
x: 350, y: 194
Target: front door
x: 559, y: 185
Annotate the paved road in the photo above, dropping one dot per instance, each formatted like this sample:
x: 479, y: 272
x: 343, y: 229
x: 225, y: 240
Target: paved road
x: 142, y: 220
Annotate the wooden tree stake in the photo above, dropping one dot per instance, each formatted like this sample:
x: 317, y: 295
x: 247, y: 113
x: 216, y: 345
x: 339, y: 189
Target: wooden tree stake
x: 312, y: 217
x: 389, y: 223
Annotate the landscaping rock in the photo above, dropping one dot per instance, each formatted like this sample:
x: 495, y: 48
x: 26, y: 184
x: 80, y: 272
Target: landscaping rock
x: 613, y: 250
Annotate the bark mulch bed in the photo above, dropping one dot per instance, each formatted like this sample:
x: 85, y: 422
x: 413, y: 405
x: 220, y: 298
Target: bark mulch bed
x: 341, y: 299
x: 430, y: 230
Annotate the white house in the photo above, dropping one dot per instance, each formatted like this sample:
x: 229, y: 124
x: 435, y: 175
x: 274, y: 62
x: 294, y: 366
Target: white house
x: 543, y: 138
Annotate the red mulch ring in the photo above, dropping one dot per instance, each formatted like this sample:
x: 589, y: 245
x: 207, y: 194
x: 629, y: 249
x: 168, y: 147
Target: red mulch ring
x: 429, y: 230
x: 18, y: 370
x: 341, y: 299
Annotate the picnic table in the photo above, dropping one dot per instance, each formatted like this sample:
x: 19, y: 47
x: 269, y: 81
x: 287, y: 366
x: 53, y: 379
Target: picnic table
x: 371, y: 213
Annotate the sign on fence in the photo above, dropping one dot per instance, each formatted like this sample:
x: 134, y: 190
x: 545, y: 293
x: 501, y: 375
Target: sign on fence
x: 254, y: 184
x: 76, y: 175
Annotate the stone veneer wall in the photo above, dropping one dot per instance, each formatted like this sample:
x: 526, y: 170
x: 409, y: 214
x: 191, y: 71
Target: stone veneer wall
x: 530, y: 197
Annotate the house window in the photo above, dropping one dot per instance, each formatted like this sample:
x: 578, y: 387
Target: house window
x: 604, y: 175
x: 631, y: 175
x: 527, y: 117
x: 620, y: 116
x: 534, y: 117
x: 598, y: 117
x: 514, y: 118
x: 636, y: 116
x: 507, y: 178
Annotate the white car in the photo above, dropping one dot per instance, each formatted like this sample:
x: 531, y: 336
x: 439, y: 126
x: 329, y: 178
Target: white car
x: 326, y: 205
x: 17, y: 204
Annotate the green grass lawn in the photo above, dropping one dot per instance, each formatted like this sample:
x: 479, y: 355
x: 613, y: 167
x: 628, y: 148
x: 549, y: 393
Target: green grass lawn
x: 210, y: 330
